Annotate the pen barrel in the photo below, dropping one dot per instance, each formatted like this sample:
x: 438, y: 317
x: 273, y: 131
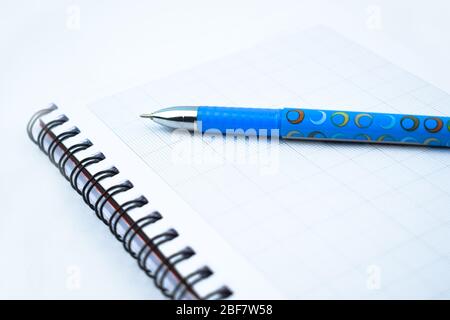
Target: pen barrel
x: 336, y: 125
x: 249, y: 120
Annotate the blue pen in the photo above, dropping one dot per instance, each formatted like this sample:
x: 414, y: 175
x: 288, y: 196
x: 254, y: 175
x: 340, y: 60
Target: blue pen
x: 311, y: 124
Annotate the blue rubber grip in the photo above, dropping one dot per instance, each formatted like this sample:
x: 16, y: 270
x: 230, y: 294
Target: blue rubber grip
x: 228, y: 118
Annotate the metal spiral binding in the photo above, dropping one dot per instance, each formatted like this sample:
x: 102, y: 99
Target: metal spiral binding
x: 151, y: 245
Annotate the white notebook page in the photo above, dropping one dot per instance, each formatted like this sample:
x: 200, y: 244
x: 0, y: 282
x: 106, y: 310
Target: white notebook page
x: 317, y: 219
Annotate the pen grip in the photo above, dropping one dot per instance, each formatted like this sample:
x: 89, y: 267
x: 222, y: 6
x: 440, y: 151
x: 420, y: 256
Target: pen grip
x: 365, y: 127
x: 246, y: 119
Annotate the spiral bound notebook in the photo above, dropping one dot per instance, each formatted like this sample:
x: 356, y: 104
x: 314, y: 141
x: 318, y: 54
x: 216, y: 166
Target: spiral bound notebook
x: 129, y: 230
x: 214, y: 219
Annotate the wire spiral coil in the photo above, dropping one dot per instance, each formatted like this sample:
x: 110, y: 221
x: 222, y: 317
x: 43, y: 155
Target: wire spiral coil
x: 73, y: 168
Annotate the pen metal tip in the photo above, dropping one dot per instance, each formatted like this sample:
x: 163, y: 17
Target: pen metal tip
x: 147, y: 115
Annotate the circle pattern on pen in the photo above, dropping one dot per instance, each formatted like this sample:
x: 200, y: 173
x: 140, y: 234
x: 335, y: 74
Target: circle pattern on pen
x: 338, y: 136
x: 409, y: 140
x: 317, y: 134
x: 409, y: 123
x: 390, y: 123
x: 352, y: 123
x: 321, y: 120
x: 385, y: 138
x: 433, y: 124
x: 294, y: 134
x: 295, y: 116
x: 432, y: 142
x: 340, y: 119
x: 363, y: 137
x: 363, y: 120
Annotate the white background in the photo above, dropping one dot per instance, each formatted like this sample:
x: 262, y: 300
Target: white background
x: 51, y: 245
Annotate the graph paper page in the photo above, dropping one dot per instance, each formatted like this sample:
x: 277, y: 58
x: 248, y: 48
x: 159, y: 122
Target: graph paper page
x: 318, y: 220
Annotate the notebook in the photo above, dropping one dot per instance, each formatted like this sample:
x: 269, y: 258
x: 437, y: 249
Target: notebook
x: 207, y: 217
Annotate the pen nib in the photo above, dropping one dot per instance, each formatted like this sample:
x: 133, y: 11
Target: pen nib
x: 183, y: 117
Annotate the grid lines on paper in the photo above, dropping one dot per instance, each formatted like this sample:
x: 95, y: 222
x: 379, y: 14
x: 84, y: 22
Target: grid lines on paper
x: 331, y: 215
